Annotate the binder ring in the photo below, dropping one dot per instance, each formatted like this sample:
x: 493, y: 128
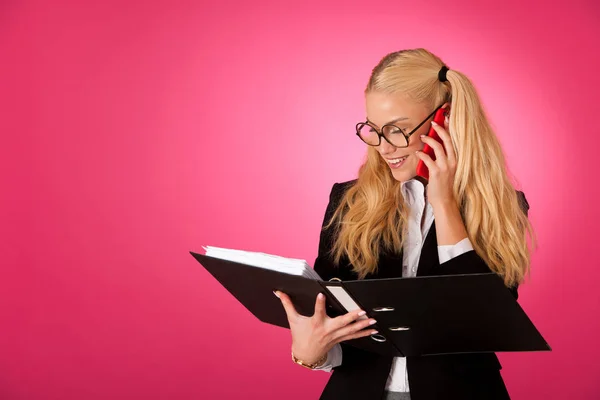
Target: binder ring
x: 378, y: 338
x: 399, y: 328
x: 378, y: 309
x: 335, y: 280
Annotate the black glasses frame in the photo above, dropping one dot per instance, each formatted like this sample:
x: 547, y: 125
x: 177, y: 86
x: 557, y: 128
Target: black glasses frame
x: 380, y: 135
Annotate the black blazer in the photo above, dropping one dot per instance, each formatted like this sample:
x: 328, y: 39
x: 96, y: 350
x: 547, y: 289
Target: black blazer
x: 363, y: 375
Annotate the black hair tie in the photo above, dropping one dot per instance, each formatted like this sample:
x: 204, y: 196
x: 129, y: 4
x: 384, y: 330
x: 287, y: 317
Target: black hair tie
x: 442, y: 74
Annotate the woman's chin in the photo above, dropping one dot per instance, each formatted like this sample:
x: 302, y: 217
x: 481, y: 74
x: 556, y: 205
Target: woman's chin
x: 403, y: 176
x: 404, y: 173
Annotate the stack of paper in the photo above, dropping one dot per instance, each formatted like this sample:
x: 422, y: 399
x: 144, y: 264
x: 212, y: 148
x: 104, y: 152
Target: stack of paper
x: 292, y: 266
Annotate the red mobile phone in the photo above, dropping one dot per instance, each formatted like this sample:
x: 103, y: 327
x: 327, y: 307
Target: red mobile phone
x: 422, y: 169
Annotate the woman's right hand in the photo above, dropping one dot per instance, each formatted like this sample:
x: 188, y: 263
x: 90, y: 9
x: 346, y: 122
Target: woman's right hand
x: 313, y: 337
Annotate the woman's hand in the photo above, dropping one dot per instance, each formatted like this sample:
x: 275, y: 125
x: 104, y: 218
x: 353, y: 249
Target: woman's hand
x: 313, y: 337
x: 450, y: 228
x: 442, y: 170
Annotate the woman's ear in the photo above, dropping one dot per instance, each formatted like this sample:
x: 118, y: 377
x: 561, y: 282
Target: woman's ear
x: 447, y: 107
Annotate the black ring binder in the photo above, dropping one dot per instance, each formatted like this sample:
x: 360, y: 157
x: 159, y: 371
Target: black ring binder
x: 420, y: 316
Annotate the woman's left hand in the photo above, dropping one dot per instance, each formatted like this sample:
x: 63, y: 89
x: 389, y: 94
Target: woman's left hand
x: 442, y: 170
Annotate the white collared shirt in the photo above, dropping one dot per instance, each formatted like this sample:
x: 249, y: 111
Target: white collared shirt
x: 420, y: 219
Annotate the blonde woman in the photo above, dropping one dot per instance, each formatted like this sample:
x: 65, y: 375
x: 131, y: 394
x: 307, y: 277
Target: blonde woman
x: 390, y: 222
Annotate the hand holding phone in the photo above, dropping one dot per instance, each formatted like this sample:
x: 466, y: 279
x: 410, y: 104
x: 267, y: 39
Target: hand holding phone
x: 439, y: 118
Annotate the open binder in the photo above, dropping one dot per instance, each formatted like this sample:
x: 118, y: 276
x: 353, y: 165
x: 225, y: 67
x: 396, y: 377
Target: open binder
x: 415, y: 316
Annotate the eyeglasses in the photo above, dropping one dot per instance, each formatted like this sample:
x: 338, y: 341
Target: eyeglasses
x: 395, y: 136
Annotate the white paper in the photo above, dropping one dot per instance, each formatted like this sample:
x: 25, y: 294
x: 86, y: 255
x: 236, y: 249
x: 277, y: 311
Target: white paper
x: 292, y: 266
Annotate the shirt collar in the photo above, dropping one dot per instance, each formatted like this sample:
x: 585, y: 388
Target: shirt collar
x: 412, y: 189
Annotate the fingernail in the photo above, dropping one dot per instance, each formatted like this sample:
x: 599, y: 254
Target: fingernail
x: 374, y: 332
x: 275, y: 293
x: 433, y: 123
x: 360, y: 314
x: 422, y: 136
x: 320, y: 296
x: 373, y: 322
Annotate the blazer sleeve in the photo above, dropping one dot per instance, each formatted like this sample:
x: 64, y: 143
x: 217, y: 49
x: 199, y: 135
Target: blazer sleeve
x: 471, y: 263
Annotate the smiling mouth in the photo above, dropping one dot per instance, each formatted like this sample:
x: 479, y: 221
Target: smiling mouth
x: 396, y: 160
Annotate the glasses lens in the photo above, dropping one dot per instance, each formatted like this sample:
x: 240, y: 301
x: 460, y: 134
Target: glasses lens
x: 368, y: 134
x: 395, y: 136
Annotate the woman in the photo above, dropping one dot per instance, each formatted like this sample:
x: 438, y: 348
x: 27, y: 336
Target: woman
x: 381, y: 225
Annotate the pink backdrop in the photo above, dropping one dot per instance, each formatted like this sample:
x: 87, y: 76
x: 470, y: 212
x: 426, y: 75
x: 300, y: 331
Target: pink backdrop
x: 133, y: 132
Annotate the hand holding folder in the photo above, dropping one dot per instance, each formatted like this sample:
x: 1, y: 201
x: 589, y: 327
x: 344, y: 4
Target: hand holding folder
x: 314, y: 336
x: 415, y: 316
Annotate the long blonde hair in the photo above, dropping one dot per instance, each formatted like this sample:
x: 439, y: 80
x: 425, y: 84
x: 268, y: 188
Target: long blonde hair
x: 372, y: 215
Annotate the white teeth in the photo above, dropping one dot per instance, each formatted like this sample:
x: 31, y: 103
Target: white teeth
x: 396, y: 160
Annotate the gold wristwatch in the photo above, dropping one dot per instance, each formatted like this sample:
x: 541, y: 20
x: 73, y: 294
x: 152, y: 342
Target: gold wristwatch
x: 314, y: 365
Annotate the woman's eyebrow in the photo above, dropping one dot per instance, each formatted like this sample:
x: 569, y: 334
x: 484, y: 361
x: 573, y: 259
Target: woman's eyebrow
x: 391, y: 122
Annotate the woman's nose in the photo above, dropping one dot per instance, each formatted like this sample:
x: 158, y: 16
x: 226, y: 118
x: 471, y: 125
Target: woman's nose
x: 385, y: 148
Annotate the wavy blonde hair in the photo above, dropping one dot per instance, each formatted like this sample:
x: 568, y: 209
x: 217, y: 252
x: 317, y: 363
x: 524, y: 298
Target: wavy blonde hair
x: 372, y: 214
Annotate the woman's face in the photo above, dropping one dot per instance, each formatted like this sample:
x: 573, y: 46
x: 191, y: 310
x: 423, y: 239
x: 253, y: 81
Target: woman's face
x: 385, y: 109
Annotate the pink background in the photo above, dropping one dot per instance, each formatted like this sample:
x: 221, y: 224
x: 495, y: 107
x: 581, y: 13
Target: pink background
x: 133, y: 132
